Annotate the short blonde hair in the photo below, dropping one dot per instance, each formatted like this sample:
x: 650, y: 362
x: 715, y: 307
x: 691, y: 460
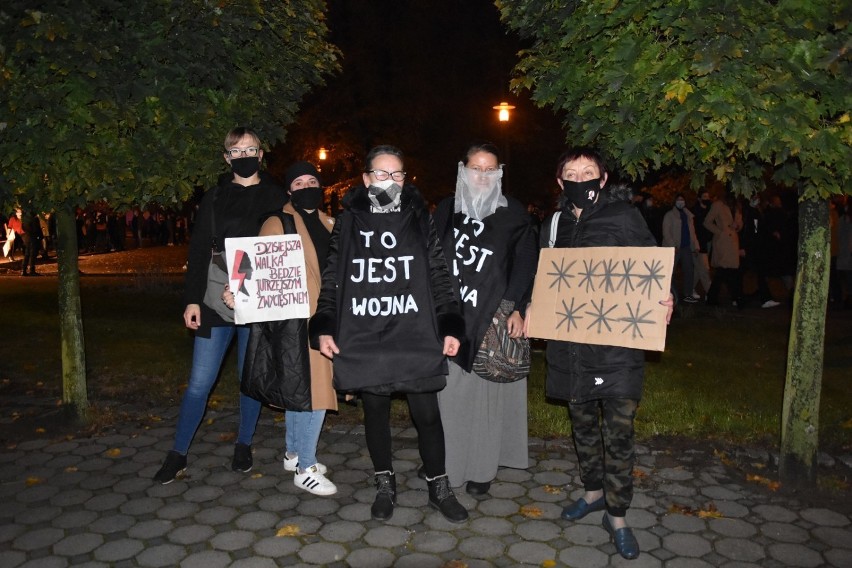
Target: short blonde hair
x: 237, y: 133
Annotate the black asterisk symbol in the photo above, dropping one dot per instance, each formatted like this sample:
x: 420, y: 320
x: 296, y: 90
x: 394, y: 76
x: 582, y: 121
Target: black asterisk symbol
x: 589, y: 273
x: 601, y: 316
x: 635, y: 319
x: 561, y: 274
x: 569, y: 315
x: 647, y: 281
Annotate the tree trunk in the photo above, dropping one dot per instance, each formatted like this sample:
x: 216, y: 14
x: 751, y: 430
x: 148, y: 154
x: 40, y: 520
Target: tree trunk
x: 800, y: 416
x: 74, y: 394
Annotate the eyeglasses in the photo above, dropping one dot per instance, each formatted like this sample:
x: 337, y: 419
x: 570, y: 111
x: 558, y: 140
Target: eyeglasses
x: 382, y: 175
x: 251, y: 152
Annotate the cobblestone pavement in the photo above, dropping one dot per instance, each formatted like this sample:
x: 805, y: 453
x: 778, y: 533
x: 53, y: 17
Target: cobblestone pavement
x: 91, y: 502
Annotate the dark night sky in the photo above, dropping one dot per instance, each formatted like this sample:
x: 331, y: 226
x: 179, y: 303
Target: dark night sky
x: 424, y: 76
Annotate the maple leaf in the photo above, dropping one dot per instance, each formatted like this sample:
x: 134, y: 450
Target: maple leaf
x: 552, y: 490
x: 531, y: 511
x: 289, y: 530
x: 113, y: 452
x: 770, y: 484
x: 32, y: 480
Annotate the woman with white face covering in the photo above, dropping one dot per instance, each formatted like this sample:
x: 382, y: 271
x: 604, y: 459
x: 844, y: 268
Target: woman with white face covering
x: 489, y: 243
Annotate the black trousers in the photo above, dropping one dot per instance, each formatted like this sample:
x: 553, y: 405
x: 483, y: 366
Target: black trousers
x: 427, y: 419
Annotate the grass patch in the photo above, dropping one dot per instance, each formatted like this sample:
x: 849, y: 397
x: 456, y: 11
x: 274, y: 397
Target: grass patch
x: 721, y: 376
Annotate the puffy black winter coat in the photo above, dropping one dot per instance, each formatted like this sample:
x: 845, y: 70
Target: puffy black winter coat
x: 277, y: 368
x: 579, y: 372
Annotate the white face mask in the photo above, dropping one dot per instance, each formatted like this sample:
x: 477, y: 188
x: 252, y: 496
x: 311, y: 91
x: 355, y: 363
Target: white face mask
x: 479, y: 194
x: 383, y: 184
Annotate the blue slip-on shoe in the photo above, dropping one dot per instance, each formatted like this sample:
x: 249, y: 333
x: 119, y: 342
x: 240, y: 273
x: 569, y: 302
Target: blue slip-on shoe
x: 625, y: 542
x: 579, y: 508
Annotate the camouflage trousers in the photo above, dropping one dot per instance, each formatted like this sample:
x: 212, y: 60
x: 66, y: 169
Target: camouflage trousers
x: 603, y: 438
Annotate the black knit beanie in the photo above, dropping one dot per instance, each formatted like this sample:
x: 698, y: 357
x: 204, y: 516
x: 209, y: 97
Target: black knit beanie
x: 300, y: 169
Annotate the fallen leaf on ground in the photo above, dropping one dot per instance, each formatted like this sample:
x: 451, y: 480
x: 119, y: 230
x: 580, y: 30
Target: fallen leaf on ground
x: 289, y: 530
x: 710, y: 512
x: 40, y: 430
x: 278, y: 418
x: 552, y: 490
x: 209, y: 421
x: 34, y: 481
x: 227, y: 436
x: 771, y: 484
x: 548, y: 563
x: 723, y: 457
x: 639, y: 474
x: 113, y: 452
x: 70, y: 469
x: 454, y: 564
x: 847, y: 424
x: 256, y: 475
x: 531, y: 511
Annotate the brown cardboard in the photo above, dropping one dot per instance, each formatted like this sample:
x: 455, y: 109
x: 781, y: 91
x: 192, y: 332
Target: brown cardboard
x: 602, y: 296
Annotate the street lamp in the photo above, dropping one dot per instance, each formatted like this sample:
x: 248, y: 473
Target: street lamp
x: 323, y: 153
x: 503, y: 111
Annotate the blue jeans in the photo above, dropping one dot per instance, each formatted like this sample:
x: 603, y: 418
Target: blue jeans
x: 207, y: 355
x: 302, y: 436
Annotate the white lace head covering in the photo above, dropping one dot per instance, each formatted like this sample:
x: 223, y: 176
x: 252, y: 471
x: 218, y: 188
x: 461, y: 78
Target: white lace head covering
x: 479, y: 194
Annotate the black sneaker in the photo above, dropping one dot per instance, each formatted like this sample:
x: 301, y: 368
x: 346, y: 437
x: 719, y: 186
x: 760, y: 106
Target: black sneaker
x: 173, y: 467
x: 242, y: 458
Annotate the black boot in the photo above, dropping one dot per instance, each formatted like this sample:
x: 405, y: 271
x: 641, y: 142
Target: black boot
x: 441, y: 497
x: 382, y: 508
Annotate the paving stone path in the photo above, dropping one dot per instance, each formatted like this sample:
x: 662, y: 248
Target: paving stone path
x: 91, y: 502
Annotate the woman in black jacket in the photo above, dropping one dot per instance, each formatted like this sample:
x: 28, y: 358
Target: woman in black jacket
x: 387, y: 317
x: 233, y: 209
x: 602, y: 384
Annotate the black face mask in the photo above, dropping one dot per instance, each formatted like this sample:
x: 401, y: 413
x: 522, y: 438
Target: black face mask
x: 307, y: 198
x: 245, y: 167
x: 581, y: 193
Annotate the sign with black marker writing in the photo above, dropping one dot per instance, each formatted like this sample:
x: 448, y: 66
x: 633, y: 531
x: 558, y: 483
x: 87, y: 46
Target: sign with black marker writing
x: 602, y: 296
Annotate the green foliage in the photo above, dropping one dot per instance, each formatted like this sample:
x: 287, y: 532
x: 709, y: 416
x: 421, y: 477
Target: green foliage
x: 718, y: 87
x: 129, y: 101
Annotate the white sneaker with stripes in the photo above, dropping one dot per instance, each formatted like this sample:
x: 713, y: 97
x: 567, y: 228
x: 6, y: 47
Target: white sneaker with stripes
x: 314, y: 482
x: 291, y: 464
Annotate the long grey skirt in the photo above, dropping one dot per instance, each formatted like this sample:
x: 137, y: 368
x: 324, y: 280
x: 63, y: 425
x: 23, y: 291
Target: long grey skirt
x: 485, y: 426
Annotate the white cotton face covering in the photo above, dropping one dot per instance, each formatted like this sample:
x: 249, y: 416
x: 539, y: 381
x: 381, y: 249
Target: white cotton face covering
x: 479, y: 194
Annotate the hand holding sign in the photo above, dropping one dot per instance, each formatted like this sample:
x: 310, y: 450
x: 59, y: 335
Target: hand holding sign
x: 267, y: 278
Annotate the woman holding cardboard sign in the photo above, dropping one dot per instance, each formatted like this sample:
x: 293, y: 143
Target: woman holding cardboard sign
x: 271, y: 348
x: 602, y: 384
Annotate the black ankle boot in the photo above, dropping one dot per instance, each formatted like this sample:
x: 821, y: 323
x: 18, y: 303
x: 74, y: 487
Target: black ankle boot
x: 441, y: 497
x: 382, y: 508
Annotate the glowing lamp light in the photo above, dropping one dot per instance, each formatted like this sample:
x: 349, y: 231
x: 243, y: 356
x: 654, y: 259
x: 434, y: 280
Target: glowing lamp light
x: 503, y: 111
x: 323, y: 153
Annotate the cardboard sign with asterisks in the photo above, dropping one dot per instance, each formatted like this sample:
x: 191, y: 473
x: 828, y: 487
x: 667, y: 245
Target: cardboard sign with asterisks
x: 602, y: 296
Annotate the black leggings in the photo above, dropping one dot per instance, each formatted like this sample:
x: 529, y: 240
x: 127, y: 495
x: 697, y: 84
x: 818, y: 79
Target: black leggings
x: 427, y: 420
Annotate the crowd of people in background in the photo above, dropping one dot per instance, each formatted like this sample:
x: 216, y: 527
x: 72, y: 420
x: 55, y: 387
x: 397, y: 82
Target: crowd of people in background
x: 759, y: 245
x: 31, y: 235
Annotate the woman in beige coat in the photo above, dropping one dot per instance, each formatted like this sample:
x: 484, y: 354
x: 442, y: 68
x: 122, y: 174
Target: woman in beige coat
x: 314, y: 227
x: 725, y: 220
